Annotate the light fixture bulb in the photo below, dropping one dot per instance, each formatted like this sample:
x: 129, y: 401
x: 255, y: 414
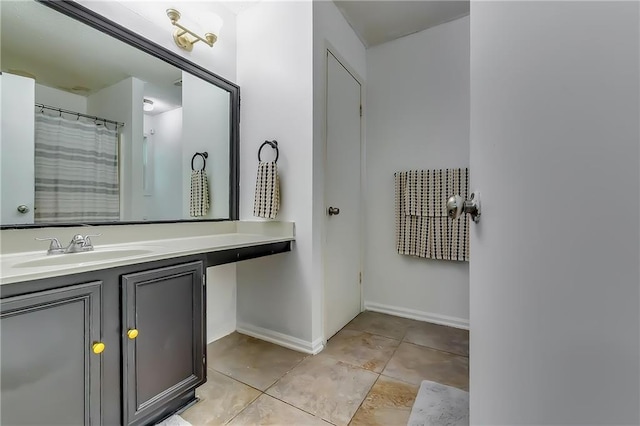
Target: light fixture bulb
x: 213, y: 23
x: 147, y: 105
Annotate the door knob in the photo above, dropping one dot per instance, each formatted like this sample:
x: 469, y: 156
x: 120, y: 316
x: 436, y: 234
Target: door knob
x: 333, y: 211
x: 132, y: 334
x: 98, y: 347
x: 456, y: 206
x: 23, y: 209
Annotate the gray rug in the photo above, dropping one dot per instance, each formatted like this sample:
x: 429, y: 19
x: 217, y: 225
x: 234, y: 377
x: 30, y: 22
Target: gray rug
x: 174, y: 420
x: 439, y: 405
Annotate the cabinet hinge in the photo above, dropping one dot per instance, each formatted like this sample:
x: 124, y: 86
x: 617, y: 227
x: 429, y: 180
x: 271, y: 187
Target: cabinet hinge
x: 360, y: 110
x: 360, y: 277
x: 204, y: 280
x: 204, y: 360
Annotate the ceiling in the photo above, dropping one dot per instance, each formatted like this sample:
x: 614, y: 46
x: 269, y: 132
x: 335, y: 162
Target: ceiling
x: 65, y: 54
x: 377, y: 22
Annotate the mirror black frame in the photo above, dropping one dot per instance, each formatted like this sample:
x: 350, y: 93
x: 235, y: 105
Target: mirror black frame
x: 100, y: 23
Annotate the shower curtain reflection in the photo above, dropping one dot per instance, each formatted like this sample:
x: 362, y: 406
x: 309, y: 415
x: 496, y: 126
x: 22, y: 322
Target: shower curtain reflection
x: 76, y: 170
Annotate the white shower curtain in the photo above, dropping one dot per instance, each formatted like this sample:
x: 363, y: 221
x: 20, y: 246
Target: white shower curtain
x: 76, y: 171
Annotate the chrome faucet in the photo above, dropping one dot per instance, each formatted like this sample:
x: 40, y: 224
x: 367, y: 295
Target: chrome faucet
x: 78, y: 244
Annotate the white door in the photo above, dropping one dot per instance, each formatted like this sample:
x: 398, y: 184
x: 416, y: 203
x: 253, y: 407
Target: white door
x: 17, y: 189
x: 554, y: 261
x: 342, y: 191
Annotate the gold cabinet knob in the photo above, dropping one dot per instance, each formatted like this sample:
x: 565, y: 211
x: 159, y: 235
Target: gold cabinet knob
x: 98, y: 347
x: 132, y: 334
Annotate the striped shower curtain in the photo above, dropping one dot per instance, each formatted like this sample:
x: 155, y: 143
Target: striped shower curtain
x: 76, y: 171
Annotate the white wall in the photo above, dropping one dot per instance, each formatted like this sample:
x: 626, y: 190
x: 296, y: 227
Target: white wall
x: 164, y: 135
x: 206, y: 118
x: 61, y: 99
x: 221, y: 301
x: 281, y: 69
x: 417, y: 113
x: 330, y: 31
x: 555, y: 322
x: 275, y: 72
x: 122, y: 102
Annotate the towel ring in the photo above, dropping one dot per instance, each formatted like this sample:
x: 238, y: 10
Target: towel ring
x: 204, y: 156
x: 273, y: 144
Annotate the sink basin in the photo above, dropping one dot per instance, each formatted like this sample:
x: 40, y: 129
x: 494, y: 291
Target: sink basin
x: 80, y: 258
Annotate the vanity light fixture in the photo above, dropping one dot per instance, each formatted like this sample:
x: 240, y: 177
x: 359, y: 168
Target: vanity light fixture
x: 185, y: 38
x: 147, y: 105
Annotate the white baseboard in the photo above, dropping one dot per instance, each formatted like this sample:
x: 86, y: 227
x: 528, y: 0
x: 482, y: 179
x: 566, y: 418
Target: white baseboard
x: 219, y: 333
x: 418, y: 315
x: 281, y: 339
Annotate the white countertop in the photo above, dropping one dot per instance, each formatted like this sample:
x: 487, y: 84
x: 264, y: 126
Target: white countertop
x: 30, y: 265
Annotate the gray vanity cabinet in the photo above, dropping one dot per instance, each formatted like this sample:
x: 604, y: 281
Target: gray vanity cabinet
x: 51, y: 359
x: 163, y: 338
x: 150, y: 316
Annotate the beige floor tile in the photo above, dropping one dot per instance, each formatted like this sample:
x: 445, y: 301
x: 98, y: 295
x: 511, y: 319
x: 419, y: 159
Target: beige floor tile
x: 251, y: 361
x: 389, y: 403
x: 365, y: 350
x: 221, y: 398
x: 269, y: 411
x: 380, y: 324
x: 325, y: 387
x: 440, y: 337
x: 412, y: 363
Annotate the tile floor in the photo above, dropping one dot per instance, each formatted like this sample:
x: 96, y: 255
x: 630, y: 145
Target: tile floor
x: 368, y: 374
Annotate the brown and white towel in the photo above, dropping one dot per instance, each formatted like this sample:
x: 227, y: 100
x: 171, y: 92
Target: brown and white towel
x: 199, y: 202
x: 423, y: 228
x: 267, y: 197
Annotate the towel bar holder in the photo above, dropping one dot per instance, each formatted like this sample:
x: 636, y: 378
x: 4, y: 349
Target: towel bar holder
x: 204, y: 156
x: 273, y: 144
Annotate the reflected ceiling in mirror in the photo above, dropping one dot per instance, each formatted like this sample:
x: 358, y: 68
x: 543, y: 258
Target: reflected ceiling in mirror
x: 79, y: 145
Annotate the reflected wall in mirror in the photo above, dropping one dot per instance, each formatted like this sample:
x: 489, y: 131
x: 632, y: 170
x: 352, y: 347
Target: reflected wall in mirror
x: 95, y: 130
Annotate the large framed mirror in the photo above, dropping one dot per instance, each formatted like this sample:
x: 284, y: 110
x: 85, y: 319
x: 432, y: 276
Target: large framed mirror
x: 102, y: 126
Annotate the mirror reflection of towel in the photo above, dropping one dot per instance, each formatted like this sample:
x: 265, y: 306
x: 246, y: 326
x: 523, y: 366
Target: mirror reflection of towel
x: 267, y: 198
x: 199, y: 203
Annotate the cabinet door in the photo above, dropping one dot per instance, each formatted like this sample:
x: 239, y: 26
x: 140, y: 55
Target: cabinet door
x: 165, y: 356
x: 50, y: 373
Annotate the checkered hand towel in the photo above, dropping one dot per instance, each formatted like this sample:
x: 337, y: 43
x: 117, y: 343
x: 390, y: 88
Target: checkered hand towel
x: 199, y: 204
x: 267, y: 198
x: 423, y: 227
